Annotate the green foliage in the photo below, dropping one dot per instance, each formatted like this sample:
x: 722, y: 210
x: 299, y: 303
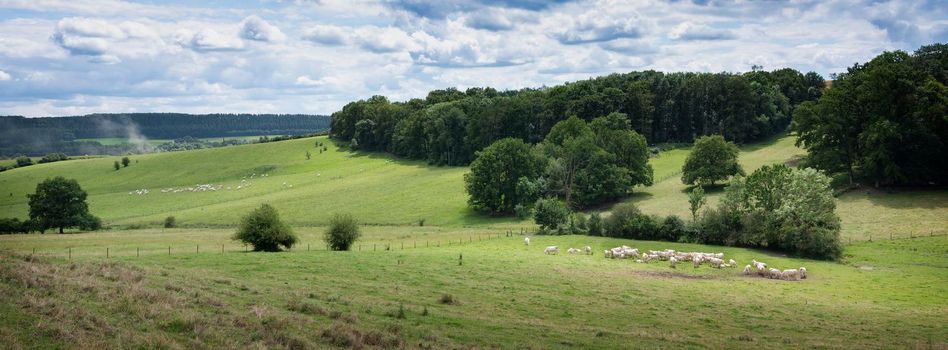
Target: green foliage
x: 492, y: 182
x: 125, y: 161
x: 342, y: 232
x: 882, y: 121
x: 59, y: 203
x: 263, y: 229
x: 89, y: 222
x: 22, y: 161
x: 550, y: 214
x: 13, y: 225
x: 53, y: 157
x: 522, y: 211
x: 595, y: 225
x: 116, y: 165
x: 711, y: 160
x: 696, y: 199
x: 170, y: 222
x: 792, y: 210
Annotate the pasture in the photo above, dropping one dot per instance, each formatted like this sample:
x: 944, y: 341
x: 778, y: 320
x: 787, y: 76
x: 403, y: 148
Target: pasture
x: 382, y: 190
x: 489, y: 293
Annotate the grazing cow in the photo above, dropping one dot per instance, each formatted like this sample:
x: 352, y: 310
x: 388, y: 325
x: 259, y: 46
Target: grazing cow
x: 551, y: 250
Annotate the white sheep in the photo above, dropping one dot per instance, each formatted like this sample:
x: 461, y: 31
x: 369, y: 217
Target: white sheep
x: 551, y: 250
x: 607, y: 253
x: 588, y: 250
x: 747, y: 269
x: 774, y: 273
x: 716, y: 262
x: 790, y: 274
x: 802, y: 273
x: 526, y: 240
x: 573, y: 251
x: 674, y: 261
x: 732, y: 262
x: 697, y: 261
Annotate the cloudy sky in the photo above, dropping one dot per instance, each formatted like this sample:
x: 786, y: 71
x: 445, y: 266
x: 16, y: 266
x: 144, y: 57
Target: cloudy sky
x: 68, y: 57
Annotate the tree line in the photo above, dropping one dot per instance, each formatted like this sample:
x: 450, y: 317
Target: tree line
x: 884, y: 122
x: 37, y: 136
x: 449, y: 126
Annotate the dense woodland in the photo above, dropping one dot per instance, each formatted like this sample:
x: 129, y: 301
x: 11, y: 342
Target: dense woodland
x: 449, y: 126
x: 38, y: 136
x: 884, y: 122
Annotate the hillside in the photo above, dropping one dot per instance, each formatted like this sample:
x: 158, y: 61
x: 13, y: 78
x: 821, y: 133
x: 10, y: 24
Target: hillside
x: 383, y: 190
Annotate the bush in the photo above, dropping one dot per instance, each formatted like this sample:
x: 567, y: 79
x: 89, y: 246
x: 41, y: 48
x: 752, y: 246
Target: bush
x: 116, y: 165
x: 13, y: 225
x: 522, y: 211
x: 263, y: 229
x: 125, y: 161
x: 498, y: 194
x: 673, y: 229
x: 53, y: 157
x: 22, y: 161
x: 170, y: 222
x: 90, y: 222
x: 342, y: 232
x: 776, y: 207
x: 550, y: 214
x: 595, y: 225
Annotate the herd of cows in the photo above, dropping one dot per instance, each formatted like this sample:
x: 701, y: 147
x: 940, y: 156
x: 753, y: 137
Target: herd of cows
x: 715, y: 260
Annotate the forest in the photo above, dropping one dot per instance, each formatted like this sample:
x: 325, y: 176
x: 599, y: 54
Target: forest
x: 38, y: 136
x: 449, y: 126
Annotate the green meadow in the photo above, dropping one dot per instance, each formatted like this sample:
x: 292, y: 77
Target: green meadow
x: 458, y: 279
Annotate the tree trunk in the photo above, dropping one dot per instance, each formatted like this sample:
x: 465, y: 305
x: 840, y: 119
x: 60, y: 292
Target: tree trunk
x: 60, y: 229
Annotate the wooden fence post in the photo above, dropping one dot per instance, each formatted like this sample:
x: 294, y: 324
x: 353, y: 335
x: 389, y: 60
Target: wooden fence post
x: 106, y: 252
x: 137, y: 252
x: 70, y: 253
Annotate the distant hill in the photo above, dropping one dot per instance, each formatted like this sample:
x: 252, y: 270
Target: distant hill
x: 37, y: 136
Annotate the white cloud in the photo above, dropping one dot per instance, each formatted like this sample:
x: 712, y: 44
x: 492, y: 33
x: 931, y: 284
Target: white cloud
x: 384, y: 39
x: 326, y: 35
x: 208, y: 40
x: 255, y: 28
x: 691, y: 31
x: 4, y: 76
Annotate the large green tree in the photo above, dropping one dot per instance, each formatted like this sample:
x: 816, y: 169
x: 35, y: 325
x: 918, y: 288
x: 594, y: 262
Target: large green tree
x: 496, y: 171
x: 712, y: 159
x: 58, y: 203
x: 884, y: 121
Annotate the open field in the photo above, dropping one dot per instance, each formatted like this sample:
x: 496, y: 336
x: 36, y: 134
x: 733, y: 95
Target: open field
x: 383, y: 190
x: 107, y: 141
x: 507, y: 295
x: 377, y: 188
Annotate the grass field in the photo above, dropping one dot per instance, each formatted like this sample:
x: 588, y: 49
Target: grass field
x: 193, y: 287
x: 108, y: 141
x: 382, y: 190
x: 886, y: 294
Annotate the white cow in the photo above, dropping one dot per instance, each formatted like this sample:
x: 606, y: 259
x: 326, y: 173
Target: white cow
x: 551, y: 250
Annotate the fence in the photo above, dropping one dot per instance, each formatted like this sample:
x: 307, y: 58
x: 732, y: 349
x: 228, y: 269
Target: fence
x: 129, y: 250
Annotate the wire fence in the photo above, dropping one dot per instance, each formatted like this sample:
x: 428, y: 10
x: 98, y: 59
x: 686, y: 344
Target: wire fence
x: 132, y: 250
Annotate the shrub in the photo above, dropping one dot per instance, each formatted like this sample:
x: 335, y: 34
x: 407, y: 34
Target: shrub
x: 522, y: 211
x: 447, y: 299
x: 595, y: 225
x: 342, y: 232
x: 673, y: 229
x: 53, y: 157
x: 89, y: 222
x: 170, y: 222
x: 116, y: 165
x: 550, y: 213
x: 22, y: 161
x: 125, y: 161
x: 263, y: 229
x: 13, y: 225
x: 614, y: 225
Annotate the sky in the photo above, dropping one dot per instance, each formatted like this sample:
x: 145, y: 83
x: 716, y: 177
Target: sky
x: 73, y: 57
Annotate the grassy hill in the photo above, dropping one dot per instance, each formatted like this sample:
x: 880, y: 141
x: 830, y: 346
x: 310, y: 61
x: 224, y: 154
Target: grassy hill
x: 379, y: 189
x: 375, y: 188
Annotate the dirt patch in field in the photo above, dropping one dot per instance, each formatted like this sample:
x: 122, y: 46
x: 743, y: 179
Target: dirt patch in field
x: 671, y: 274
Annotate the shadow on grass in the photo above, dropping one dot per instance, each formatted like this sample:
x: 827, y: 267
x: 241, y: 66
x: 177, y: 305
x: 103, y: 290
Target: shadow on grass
x: 343, y: 147
x: 901, y: 197
x: 708, y: 189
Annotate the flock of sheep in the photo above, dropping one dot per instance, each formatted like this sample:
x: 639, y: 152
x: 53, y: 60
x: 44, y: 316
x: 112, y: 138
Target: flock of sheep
x: 244, y: 183
x: 673, y: 257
